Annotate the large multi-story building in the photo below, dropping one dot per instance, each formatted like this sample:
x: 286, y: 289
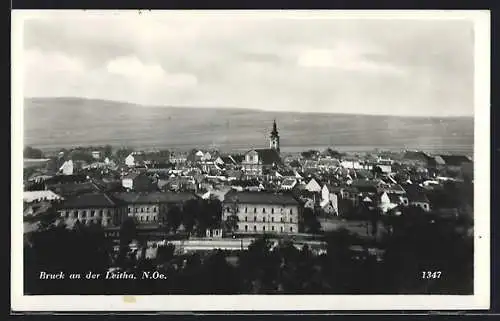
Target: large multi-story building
x: 261, y: 212
x: 98, y: 208
x: 151, y: 208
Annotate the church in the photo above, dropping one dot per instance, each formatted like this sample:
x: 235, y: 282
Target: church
x: 257, y: 161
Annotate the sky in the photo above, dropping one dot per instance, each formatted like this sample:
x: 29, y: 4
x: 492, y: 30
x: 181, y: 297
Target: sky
x: 410, y: 67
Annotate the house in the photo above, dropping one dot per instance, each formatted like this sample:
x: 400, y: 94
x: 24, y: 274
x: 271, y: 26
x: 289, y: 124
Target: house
x: 354, y: 164
x: 329, y: 199
x: 455, y: 162
x: 98, y: 208
x: 137, y: 181
x: 67, y: 168
x: 328, y: 163
x: 178, y: 158
x: 313, y: 186
x: 388, y: 202
x: 38, y: 196
x: 417, y: 197
x: 261, y: 212
x: 147, y: 158
x: 96, y: 154
x: 151, y: 208
x: 288, y: 184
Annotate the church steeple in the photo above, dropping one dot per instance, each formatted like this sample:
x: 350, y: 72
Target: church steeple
x: 274, y: 142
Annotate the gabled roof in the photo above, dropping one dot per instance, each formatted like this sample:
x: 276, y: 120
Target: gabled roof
x: 416, y: 194
x: 238, y: 158
x: 260, y: 198
x: 455, y: 160
x: 90, y: 200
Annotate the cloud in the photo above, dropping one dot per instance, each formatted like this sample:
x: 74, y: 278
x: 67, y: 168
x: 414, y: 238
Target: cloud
x: 330, y: 65
x: 346, y: 57
x: 148, y: 74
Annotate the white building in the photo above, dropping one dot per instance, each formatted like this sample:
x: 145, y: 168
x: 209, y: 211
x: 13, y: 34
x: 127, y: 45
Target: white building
x: 67, y: 168
x: 262, y: 213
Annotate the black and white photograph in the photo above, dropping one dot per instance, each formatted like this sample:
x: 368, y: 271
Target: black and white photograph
x: 336, y: 160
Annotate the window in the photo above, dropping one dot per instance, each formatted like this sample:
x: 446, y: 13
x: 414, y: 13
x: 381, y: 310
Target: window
x: 154, y: 209
x: 255, y: 218
x: 255, y: 228
x: 263, y: 228
x: 147, y: 218
x: 272, y: 227
x: 264, y: 219
x: 255, y: 210
x: 246, y: 219
x: 246, y: 209
x: 291, y: 211
x: 291, y: 220
x: 281, y: 229
x: 129, y: 210
x: 84, y: 221
x: 246, y: 228
x: 237, y: 227
x: 272, y: 210
x: 136, y: 210
x: 67, y: 214
x: 263, y: 210
x: 142, y: 209
x: 272, y: 219
x: 281, y: 219
x: 92, y: 213
x: 109, y: 221
x: 142, y: 218
x: 100, y: 212
x: 147, y: 209
x: 291, y: 229
x: 84, y: 214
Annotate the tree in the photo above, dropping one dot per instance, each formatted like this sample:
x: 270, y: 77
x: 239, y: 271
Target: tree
x: 333, y: 153
x: 123, y: 152
x: 309, y: 154
x: 30, y: 152
x: 108, y: 151
x: 173, y: 218
x: 165, y: 253
x: 48, y: 220
x: 231, y: 222
x: 189, y: 214
x: 376, y: 171
x: 128, y: 231
x: 311, y: 222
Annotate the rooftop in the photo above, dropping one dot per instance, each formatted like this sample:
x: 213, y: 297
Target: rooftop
x: 154, y: 197
x: 260, y: 198
x: 90, y: 200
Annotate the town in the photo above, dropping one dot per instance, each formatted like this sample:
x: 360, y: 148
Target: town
x: 179, y: 211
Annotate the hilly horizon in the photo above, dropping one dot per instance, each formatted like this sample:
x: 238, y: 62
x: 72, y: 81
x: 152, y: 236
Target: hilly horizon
x: 51, y: 123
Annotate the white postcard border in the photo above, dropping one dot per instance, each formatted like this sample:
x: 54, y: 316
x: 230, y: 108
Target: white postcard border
x: 68, y: 303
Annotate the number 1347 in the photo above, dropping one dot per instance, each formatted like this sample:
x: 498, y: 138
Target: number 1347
x: 431, y: 274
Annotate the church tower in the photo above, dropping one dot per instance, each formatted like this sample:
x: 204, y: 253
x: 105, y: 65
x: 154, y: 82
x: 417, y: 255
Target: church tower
x: 274, y: 142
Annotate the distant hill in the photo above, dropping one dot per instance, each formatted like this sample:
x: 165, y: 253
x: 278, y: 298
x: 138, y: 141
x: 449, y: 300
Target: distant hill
x: 64, y: 122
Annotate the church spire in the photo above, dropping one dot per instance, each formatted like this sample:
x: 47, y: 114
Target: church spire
x: 275, y: 129
x: 274, y: 142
